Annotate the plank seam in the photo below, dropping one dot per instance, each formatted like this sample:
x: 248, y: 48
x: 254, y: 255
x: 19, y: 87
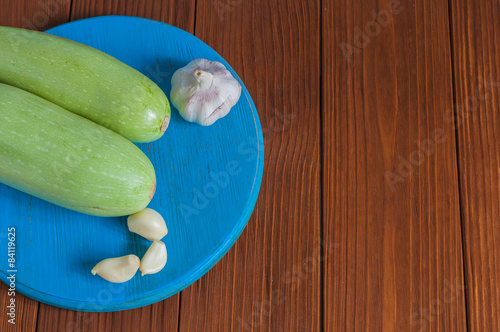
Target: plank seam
x: 321, y: 173
x: 70, y: 10
x: 457, y: 152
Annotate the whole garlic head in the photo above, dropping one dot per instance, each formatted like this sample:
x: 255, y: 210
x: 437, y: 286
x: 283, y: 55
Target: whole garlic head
x: 204, y: 91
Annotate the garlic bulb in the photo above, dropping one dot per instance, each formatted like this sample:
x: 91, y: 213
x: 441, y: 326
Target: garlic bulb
x: 204, y: 91
x: 154, y: 259
x: 118, y: 269
x: 148, y: 223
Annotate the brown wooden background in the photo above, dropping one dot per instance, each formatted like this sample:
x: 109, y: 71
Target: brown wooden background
x: 380, y: 203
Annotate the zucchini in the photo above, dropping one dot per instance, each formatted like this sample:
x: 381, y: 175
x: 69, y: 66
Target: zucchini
x: 84, y: 81
x: 53, y: 154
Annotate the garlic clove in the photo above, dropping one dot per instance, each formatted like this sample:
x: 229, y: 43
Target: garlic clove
x: 118, y: 269
x: 154, y: 259
x: 148, y: 223
x: 204, y: 91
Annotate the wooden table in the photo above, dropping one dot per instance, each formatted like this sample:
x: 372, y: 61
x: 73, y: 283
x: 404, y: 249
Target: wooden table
x: 380, y: 203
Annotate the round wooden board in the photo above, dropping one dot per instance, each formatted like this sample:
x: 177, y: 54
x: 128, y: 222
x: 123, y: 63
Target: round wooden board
x: 208, y: 182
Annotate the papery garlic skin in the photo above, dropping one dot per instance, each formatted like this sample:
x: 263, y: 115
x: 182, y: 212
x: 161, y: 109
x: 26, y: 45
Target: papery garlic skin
x: 117, y: 269
x: 154, y: 259
x: 204, y: 91
x: 148, y: 223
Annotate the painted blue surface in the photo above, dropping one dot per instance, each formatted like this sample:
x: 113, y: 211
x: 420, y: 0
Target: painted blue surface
x: 208, y: 183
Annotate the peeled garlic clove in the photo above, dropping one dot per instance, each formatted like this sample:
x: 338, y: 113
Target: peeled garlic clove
x: 204, y: 91
x: 148, y: 223
x: 154, y: 259
x: 118, y: 269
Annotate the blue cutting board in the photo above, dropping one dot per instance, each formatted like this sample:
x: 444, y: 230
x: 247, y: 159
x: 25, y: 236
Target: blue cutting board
x: 208, y: 182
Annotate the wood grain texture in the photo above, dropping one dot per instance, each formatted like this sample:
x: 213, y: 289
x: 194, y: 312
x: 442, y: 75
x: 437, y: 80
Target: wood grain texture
x: 270, y: 279
x: 392, y: 241
x: 178, y: 13
x: 26, y: 311
x: 161, y: 316
x: 34, y: 15
x: 391, y: 197
x: 476, y: 49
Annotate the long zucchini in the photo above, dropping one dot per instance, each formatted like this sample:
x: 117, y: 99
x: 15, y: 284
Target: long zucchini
x: 84, y: 81
x: 68, y: 160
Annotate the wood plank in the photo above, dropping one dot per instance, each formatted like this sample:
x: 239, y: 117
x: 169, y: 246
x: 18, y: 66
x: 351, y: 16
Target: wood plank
x: 26, y: 311
x: 270, y: 279
x: 476, y: 49
x: 34, y: 15
x: 391, y: 196
x: 177, y: 13
x: 161, y: 316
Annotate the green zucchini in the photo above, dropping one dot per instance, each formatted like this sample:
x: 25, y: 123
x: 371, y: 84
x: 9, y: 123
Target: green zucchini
x: 84, y: 81
x: 53, y: 154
